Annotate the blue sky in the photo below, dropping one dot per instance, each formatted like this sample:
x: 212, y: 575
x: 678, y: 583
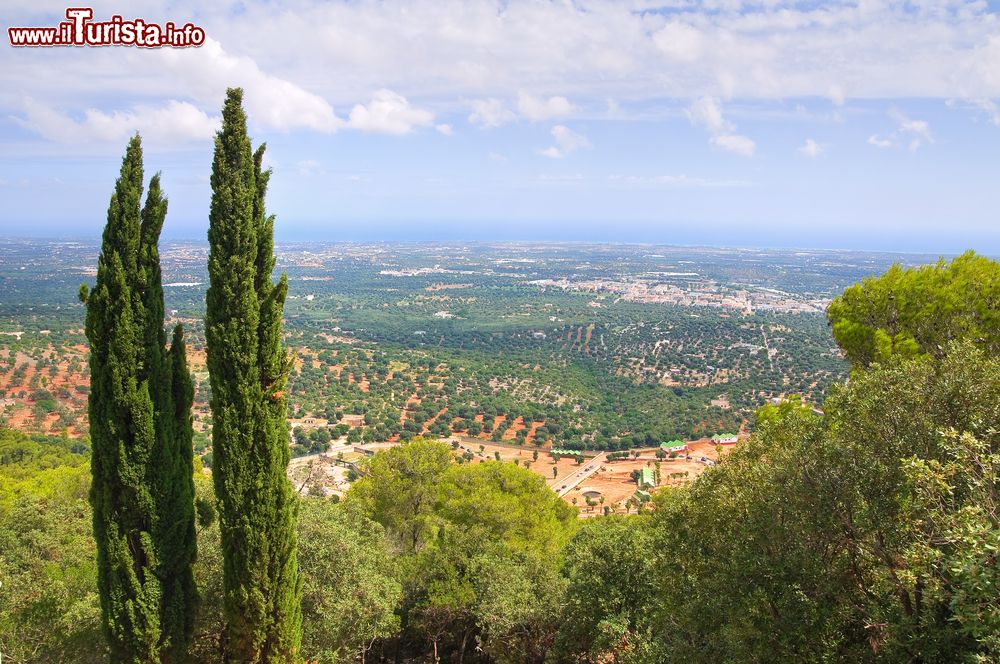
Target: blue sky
x: 843, y: 124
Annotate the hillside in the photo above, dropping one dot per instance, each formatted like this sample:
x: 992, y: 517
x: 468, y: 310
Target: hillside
x: 866, y: 533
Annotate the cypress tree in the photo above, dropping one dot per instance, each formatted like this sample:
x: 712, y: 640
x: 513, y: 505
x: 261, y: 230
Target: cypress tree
x: 248, y: 370
x: 171, y: 470
x: 142, y: 488
x: 176, y: 533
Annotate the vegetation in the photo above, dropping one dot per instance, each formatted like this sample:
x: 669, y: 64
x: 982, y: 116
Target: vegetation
x: 864, y: 534
x: 516, y: 361
x: 865, y: 530
x: 51, y: 611
x: 139, y: 407
x: 248, y: 371
x: 478, y: 549
x: 919, y: 310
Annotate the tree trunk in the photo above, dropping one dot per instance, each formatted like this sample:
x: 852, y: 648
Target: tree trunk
x: 461, y: 650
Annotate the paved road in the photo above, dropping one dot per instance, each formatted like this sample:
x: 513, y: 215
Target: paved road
x: 570, y: 482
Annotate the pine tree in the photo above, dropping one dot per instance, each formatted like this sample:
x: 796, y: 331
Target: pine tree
x: 142, y: 489
x: 248, y: 370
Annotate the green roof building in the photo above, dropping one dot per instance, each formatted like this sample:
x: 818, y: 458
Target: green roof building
x: 648, y: 478
x: 674, y: 446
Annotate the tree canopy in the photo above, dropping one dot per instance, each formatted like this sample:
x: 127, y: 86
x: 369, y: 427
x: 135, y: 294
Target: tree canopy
x: 911, y: 311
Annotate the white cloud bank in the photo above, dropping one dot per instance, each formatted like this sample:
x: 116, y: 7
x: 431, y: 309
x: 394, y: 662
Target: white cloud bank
x: 298, y: 65
x: 271, y: 102
x: 592, y: 49
x: 174, y: 121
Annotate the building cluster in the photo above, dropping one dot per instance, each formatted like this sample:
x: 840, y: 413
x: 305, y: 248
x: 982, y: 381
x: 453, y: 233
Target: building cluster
x: 694, y: 294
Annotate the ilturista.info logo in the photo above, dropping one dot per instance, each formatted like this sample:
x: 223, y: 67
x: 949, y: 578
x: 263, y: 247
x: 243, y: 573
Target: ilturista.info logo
x: 81, y: 30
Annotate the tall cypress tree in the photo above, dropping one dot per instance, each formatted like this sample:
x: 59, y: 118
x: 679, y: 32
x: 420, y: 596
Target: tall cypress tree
x: 248, y: 369
x: 142, y: 488
x: 176, y: 535
x: 170, y: 473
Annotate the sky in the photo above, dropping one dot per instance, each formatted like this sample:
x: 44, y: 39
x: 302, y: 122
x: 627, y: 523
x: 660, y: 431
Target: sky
x: 868, y: 125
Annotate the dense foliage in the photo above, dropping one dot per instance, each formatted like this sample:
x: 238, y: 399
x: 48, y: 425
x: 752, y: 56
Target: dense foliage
x: 50, y: 610
x: 478, y: 549
x: 919, y: 310
x: 248, y: 370
x: 139, y: 414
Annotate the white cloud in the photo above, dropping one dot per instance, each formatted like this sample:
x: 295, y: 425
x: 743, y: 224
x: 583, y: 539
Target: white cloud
x: 706, y: 112
x: 298, y: 66
x: 679, y: 41
x: 180, y: 122
x: 537, y: 109
x: 271, y: 101
x: 879, y: 141
x: 175, y: 122
x: 989, y: 107
x: 591, y: 50
x: 811, y: 148
x: 981, y: 105
x: 389, y: 113
x: 735, y: 143
x: 567, y: 141
x: 836, y: 95
x: 490, y: 113
x: 915, y: 133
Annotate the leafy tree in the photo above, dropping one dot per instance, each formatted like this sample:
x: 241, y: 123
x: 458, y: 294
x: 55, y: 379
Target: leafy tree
x: 501, y: 502
x: 519, y: 605
x: 611, y: 592
x: 955, y: 535
x: 444, y: 606
x: 349, y: 593
x: 441, y: 518
x: 51, y: 610
x: 821, y: 543
x: 399, y: 490
x: 919, y: 310
x: 248, y: 371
